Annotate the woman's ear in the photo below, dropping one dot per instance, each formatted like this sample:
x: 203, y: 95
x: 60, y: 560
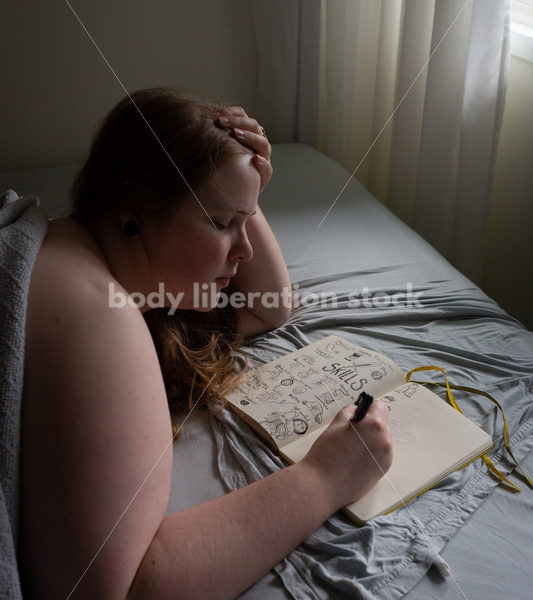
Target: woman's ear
x: 131, y: 229
x: 129, y: 225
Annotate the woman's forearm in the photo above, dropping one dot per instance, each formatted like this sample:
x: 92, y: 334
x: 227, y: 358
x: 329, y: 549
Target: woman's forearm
x: 265, y: 275
x: 218, y: 549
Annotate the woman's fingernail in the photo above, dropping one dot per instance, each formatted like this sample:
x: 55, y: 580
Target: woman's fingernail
x: 239, y: 133
x: 224, y: 121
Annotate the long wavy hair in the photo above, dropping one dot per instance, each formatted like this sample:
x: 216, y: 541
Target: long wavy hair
x: 129, y: 169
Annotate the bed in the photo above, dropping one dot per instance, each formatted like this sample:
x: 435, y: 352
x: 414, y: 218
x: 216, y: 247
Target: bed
x: 363, y: 254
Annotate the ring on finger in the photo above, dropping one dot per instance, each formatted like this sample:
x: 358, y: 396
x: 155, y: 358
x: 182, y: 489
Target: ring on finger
x: 263, y: 132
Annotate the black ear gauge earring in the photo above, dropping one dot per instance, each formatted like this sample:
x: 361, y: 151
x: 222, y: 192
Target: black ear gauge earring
x: 131, y: 229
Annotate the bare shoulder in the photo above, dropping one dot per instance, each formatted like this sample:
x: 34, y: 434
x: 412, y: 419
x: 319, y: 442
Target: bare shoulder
x: 96, y: 433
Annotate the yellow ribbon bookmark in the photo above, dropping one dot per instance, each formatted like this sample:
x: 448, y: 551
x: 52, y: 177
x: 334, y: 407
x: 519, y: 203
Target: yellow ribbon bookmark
x: 485, y: 458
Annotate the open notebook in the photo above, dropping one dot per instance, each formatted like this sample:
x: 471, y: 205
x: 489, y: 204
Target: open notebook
x: 290, y: 401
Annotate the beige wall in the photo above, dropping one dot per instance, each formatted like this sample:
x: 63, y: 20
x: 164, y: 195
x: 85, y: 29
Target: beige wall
x: 56, y: 86
x: 508, y: 276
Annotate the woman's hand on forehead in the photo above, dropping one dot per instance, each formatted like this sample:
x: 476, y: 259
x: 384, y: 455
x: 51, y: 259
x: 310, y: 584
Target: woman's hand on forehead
x: 249, y: 133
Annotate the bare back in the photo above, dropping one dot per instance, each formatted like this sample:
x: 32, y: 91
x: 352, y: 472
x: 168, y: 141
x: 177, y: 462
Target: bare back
x: 94, y: 422
x: 97, y: 458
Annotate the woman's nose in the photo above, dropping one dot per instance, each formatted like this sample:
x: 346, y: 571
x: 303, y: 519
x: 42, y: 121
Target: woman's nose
x: 242, y: 249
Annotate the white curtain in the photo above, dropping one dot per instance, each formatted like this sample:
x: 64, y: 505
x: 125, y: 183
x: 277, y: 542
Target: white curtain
x: 332, y: 72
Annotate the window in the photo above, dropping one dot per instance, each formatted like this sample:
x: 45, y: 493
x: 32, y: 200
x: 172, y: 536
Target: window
x: 522, y: 12
x: 522, y: 29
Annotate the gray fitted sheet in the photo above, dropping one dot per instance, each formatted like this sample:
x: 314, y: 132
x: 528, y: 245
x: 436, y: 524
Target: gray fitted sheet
x: 362, y: 245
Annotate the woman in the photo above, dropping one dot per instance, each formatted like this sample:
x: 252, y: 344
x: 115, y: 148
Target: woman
x: 97, y: 457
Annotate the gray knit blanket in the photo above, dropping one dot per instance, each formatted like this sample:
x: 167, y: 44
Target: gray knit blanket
x: 23, y: 226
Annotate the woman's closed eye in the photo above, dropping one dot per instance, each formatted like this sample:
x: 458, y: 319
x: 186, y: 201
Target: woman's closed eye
x: 222, y: 225
x: 233, y: 222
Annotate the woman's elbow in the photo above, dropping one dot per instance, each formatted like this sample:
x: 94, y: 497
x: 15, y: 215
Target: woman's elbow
x: 252, y: 325
x: 281, y: 316
x: 276, y: 318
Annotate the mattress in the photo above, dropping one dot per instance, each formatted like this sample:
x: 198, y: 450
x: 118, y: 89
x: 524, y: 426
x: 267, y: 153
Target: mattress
x: 362, y: 251
x: 362, y: 257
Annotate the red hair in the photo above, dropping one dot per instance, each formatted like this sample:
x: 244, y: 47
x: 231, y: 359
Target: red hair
x: 129, y: 169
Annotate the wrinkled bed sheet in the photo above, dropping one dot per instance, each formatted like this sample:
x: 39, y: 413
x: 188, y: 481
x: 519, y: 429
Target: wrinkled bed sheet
x: 483, y: 531
x: 363, y: 254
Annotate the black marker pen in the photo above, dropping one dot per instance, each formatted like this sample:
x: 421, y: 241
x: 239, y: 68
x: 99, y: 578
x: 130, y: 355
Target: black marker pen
x: 363, y: 404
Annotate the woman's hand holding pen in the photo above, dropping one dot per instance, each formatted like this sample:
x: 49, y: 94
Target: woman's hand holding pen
x: 351, y: 456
